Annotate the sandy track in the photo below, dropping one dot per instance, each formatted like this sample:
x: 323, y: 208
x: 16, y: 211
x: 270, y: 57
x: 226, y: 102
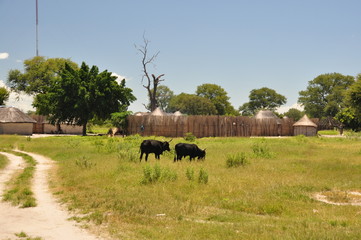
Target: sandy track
x: 48, y: 220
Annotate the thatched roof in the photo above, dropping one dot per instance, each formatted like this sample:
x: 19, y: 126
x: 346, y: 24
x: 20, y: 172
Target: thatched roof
x: 14, y: 115
x: 305, y: 121
x: 157, y: 112
x: 177, y: 113
x: 267, y: 114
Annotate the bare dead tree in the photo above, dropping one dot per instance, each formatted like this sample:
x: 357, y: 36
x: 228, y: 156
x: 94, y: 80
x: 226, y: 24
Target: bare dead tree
x: 151, y: 83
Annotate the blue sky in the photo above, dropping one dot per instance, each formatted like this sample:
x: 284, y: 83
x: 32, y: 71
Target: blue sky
x: 239, y: 45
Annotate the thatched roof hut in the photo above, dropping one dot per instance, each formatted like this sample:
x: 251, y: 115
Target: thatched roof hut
x: 14, y: 121
x: 305, y: 127
x: 267, y: 114
x: 158, y: 112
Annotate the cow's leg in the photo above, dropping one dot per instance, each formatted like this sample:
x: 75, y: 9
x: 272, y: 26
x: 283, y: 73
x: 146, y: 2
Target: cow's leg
x: 141, y: 156
x: 146, y: 157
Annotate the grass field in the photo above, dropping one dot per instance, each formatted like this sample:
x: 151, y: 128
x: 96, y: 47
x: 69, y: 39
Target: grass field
x: 247, y: 188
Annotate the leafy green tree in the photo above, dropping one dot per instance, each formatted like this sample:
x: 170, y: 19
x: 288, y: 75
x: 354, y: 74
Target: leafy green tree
x: 294, y: 113
x: 163, y: 97
x: 39, y: 72
x: 218, y: 96
x: 325, y: 94
x: 263, y: 98
x: 4, y: 95
x: 192, y: 104
x: 80, y: 95
x: 351, y: 114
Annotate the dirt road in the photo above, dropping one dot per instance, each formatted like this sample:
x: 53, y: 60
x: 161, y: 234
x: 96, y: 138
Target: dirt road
x: 48, y: 220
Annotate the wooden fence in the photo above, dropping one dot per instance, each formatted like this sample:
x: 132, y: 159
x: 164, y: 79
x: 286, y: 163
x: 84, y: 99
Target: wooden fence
x: 208, y: 126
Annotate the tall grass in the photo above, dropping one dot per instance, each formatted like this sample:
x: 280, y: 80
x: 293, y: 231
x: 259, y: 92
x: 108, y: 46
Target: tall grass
x: 271, y: 198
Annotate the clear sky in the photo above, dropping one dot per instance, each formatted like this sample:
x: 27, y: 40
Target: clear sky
x: 238, y: 44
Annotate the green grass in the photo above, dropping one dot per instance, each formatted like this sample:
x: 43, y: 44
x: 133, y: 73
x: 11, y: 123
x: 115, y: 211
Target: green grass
x: 24, y: 236
x: 3, y: 161
x: 18, y: 190
x: 329, y: 132
x: 267, y: 198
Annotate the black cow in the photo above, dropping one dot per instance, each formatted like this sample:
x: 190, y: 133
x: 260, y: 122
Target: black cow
x: 191, y: 150
x: 153, y: 146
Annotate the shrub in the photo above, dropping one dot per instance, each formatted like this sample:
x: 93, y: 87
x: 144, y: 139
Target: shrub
x: 190, y: 137
x: 236, y: 160
x: 84, y: 162
x: 203, y: 176
x: 157, y: 174
x: 261, y: 150
x: 190, y: 174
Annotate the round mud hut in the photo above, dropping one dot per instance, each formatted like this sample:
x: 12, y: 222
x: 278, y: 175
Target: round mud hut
x: 305, y: 127
x: 14, y: 121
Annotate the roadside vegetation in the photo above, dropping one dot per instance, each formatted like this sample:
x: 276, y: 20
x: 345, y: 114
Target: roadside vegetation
x: 18, y: 191
x: 247, y: 188
x: 3, y: 161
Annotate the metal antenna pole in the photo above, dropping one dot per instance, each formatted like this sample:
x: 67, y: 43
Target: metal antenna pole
x: 37, y: 31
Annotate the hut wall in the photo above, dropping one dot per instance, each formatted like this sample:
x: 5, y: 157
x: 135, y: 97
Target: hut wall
x: 207, y: 126
x: 305, y: 130
x: 71, y: 129
x: 49, y: 128
x: 16, y: 128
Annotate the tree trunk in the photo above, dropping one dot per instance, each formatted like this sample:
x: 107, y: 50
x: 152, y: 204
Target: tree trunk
x: 84, y: 129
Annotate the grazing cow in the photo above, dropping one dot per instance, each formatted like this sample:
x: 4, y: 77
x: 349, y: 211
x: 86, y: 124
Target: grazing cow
x: 191, y: 150
x: 153, y: 146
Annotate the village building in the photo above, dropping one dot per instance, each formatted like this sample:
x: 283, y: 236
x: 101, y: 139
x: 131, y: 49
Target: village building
x: 14, y: 121
x: 305, y: 127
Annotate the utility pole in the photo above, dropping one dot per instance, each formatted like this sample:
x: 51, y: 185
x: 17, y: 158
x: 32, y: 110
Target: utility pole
x: 37, y: 30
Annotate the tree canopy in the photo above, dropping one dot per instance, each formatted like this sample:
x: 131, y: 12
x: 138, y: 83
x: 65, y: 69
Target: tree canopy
x: 192, y: 104
x: 163, y: 97
x: 79, y: 95
x: 38, y: 74
x: 294, y: 113
x: 218, y: 96
x: 4, y: 95
x: 325, y: 94
x: 263, y: 98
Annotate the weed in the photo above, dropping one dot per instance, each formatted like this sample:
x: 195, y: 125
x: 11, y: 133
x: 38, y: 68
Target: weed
x: 261, y: 150
x: 23, y: 235
x: 157, y: 174
x: 190, y: 174
x: 236, y: 160
x: 84, y: 163
x: 203, y: 176
x: 190, y: 137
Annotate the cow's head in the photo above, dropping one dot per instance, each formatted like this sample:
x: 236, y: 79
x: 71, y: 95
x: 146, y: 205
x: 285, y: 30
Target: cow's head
x: 202, y: 154
x: 165, y: 145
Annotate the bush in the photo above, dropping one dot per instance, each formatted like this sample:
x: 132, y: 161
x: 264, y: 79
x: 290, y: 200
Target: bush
x: 190, y: 137
x: 157, y: 174
x: 261, y: 150
x: 236, y: 160
x: 203, y: 176
x: 190, y: 174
